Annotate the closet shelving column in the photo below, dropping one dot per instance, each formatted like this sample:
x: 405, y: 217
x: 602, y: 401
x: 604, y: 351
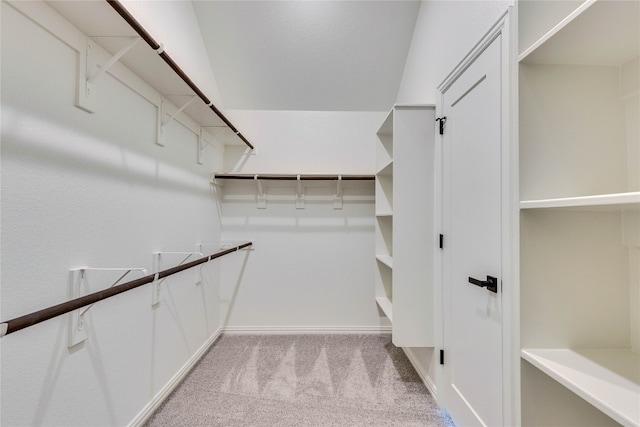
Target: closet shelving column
x: 384, y: 217
x: 579, y: 81
x: 405, y: 236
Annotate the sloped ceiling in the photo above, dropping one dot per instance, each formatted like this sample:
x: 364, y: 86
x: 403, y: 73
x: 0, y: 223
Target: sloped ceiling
x: 307, y: 55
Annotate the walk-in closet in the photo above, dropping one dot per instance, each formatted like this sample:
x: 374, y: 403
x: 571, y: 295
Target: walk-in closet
x: 320, y: 212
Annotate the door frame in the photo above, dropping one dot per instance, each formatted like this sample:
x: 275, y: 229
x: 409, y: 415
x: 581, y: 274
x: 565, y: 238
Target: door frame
x: 510, y: 211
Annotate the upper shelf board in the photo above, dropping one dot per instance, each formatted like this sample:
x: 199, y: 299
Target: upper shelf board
x: 619, y: 201
x: 599, y: 32
x: 105, y: 27
x: 608, y: 379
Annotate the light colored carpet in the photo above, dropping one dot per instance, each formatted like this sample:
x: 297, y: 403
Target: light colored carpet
x: 302, y: 380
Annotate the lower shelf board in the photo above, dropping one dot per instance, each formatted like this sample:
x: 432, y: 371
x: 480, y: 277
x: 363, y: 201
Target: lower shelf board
x: 386, y: 307
x: 609, y: 379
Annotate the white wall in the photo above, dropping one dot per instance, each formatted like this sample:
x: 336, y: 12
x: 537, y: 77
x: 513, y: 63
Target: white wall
x: 81, y: 189
x: 312, y: 268
x: 445, y: 32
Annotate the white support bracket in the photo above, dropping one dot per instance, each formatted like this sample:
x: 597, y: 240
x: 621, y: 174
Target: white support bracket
x: 157, y: 267
x: 162, y: 121
x: 261, y: 196
x: 77, y: 287
x: 337, y: 200
x: 203, y: 143
x: 86, y: 77
x: 299, y: 194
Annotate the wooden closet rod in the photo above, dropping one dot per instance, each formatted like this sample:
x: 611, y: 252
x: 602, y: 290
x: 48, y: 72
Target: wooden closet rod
x: 39, y: 316
x: 291, y: 177
x: 124, y: 13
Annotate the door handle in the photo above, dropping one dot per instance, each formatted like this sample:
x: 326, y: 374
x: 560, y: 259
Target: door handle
x: 491, y: 283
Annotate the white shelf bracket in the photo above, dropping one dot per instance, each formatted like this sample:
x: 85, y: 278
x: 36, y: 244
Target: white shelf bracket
x: 78, y: 286
x: 115, y: 58
x: 159, y: 123
x: 299, y: 194
x: 202, y: 144
x: 157, y: 267
x: 162, y: 121
x: 261, y: 197
x: 86, y: 92
x: 174, y: 115
x: 337, y: 201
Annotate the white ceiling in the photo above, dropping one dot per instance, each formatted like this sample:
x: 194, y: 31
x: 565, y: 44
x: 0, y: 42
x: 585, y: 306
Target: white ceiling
x: 307, y: 55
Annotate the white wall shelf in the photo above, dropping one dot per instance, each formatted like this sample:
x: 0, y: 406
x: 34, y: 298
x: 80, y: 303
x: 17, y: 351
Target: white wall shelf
x: 579, y: 181
x: 588, y: 36
x: 608, y: 379
x: 619, y: 201
x: 386, y: 260
x: 386, y: 306
x: 105, y: 28
x: 405, y: 222
x: 387, y: 169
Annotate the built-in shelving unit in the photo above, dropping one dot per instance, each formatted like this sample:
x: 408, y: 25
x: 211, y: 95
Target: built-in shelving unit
x: 404, y: 225
x: 579, y: 139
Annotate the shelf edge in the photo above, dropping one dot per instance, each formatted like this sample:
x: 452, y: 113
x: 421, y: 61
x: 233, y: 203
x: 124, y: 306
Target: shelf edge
x: 556, y: 29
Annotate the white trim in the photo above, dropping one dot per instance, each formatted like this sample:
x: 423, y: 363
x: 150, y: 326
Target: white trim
x: 292, y: 330
x: 421, y: 373
x: 165, y: 391
x: 484, y: 42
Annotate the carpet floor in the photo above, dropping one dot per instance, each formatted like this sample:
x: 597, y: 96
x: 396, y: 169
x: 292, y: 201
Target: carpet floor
x: 302, y: 380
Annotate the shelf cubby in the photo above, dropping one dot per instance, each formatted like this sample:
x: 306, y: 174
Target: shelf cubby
x: 579, y: 145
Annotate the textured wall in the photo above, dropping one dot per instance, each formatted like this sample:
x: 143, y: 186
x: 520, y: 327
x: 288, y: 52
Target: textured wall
x: 82, y: 189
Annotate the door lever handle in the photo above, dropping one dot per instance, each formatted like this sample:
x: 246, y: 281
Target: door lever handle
x: 491, y: 283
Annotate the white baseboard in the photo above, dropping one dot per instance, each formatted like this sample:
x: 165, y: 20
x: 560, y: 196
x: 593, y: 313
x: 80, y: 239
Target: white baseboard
x: 291, y: 330
x: 165, y: 391
x: 421, y: 373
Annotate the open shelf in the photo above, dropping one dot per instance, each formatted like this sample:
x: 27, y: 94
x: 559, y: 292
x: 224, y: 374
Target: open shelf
x: 588, y: 36
x: 386, y: 260
x: 619, y: 201
x: 386, y: 169
x: 386, y: 306
x: 609, y: 379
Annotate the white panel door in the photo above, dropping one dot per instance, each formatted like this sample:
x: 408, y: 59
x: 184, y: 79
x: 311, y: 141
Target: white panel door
x: 472, y: 200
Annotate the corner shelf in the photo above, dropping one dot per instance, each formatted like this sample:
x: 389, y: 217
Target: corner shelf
x: 609, y: 379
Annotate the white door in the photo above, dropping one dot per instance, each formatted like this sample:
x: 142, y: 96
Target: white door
x: 472, y: 205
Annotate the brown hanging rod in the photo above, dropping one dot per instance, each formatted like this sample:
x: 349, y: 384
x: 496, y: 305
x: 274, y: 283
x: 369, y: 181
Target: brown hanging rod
x: 124, y: 13
x: 291, y: 177
x: 39, y: 316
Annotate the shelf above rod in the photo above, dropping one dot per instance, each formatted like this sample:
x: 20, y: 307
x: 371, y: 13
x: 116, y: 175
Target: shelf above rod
x: 285, y: 177
x: 128, y: 17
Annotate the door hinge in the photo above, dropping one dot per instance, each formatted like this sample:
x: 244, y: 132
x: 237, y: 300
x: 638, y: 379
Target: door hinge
x: 442, y: 121
x: 441, y: 241
x: 442, y: 357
